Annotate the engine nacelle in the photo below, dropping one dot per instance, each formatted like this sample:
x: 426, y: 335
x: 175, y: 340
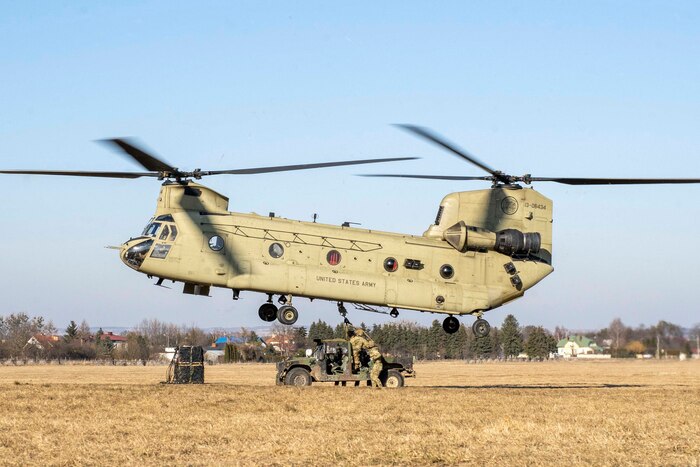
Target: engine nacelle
x: 513, y: 242
x: 509, y: 242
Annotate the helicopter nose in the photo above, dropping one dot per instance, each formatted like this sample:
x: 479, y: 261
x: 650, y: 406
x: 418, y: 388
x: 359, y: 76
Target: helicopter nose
x: 134, y: 252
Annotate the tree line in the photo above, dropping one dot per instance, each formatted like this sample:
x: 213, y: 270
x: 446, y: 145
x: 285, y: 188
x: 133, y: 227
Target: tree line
x: 431, y: 343
x: 150, y: 337
x: 78, y: 342
x: 504, y: 342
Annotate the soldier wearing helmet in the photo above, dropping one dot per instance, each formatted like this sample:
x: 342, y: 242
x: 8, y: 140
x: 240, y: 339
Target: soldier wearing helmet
x: 360, y: 340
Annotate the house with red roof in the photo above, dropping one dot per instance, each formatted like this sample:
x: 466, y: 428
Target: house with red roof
x: 118, y: 342
x: 42, y: 341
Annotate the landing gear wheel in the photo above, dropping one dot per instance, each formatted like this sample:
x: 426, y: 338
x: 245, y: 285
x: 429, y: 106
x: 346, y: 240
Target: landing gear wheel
x: 394, y: 313
x: 393, y: 379
x: 287, y: 315
x: 450, y: 325
x: 481, y: 328
x: 298, y: 377
x: 267, y: 312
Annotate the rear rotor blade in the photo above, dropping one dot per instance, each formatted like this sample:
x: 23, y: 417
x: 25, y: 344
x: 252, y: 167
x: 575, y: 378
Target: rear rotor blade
x: 434, y: 138
x: 81, y: 173
x: 148, y: 161
x: 287, y: 168
x: 615, y: 181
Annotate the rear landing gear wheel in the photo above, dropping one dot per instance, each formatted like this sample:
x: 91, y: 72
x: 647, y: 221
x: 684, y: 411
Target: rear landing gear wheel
x: 450, y: 325
x: 287, y: 315
x: 394, y: 313
x: 267, y: 312
x: 481, y: 328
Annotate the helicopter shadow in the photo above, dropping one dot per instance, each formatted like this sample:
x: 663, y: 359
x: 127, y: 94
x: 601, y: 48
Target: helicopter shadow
x: 229, y: 258
x: 537, y: 386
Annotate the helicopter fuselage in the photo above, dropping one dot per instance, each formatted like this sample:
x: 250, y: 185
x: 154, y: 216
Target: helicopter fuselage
x: 194, y: 239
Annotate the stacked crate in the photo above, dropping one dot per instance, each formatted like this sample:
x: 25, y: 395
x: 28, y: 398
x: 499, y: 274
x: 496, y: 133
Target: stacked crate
x: 187, y: 367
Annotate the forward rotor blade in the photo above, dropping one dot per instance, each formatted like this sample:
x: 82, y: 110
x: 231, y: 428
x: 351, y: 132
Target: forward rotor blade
x: 286, y: 168
x: 427, y: 177
x: 615, y: 181
x: 148, y: 161
x: 81, y: 173
x: 434, y: 138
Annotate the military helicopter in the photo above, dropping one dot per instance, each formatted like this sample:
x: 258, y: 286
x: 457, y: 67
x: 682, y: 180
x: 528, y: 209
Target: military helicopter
x: 485, y: 248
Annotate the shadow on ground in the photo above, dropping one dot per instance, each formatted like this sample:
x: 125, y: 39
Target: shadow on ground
x: 538, y: 386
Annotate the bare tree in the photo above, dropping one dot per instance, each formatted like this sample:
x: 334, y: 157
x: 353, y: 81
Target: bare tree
x: 50, y: 328
x: 618, y: 333
x: 17, y: 329
x: 560, y: 332
x: 285, y: 336
x: 695, y: 335
x: 84, y: 332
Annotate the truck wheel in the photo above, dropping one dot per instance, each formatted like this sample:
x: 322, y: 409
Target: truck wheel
x: 298, y: 377
x: 393, y: 379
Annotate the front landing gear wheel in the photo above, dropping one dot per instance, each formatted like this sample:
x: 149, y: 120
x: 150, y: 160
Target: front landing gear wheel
x: 287, y: 315
x: 267, y: 312
x: 298, y: 377
x: 481, y: 328
x: 450, y: 325
x: 394, y: 313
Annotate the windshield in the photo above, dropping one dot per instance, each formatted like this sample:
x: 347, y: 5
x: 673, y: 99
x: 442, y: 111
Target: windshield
x: 151, y: 229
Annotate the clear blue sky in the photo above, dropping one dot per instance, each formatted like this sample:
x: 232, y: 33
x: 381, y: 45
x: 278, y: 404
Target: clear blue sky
x: 548, y: 88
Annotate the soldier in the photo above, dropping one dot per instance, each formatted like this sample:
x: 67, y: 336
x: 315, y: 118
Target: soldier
x: 318, y: 351
x: 360, y: 340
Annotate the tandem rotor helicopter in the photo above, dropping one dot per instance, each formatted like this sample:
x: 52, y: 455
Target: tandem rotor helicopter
x: 485, y: 248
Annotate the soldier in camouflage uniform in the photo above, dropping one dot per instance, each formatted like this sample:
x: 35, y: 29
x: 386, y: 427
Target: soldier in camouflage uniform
x: 359, y: 340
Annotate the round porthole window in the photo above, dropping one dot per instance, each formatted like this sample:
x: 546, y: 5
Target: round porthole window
x: 447, y: 271
x: 216, y: 243
x: 333, y: 257
x: 391, y: 265
x: 276, y: 250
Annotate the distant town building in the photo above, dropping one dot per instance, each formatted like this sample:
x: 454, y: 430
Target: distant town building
x: 42, y: 341
x: 573, y: 346
x: 168, y: 355
x: 280, y: 342
x: 220, y: 343
x: 118, y: 342
x: 214, y: 356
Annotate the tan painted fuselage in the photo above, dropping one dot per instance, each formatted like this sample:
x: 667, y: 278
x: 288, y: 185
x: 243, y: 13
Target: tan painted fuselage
x: 303, y: 259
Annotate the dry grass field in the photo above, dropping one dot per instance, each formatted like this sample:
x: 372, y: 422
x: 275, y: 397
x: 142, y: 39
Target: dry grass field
x: 552, y: 413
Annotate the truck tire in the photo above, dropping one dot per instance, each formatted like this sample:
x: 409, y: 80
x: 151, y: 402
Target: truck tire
x: 298, y: 377
x: 393, y: 379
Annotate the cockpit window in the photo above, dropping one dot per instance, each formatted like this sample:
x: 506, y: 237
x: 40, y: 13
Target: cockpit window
x: 173, y: 233
x: 164, y: 234
x: 135, y: 255
x: 151, y: 229
x: 143, y: 234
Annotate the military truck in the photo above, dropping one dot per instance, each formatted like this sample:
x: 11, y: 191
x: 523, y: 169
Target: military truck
x: 331, y: 361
